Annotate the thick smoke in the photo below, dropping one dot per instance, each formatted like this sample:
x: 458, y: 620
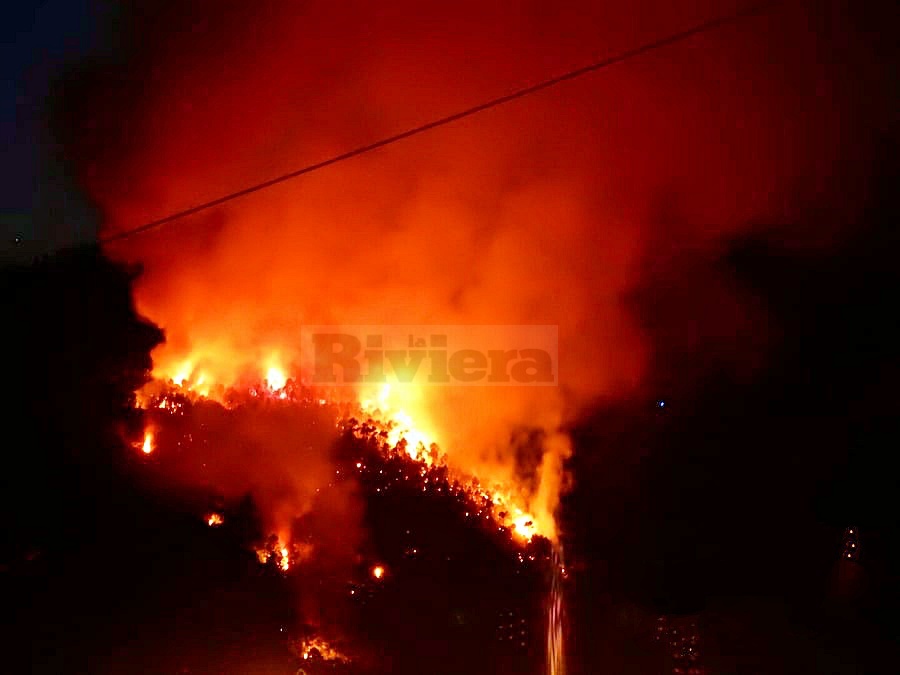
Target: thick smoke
x: 545, y: 211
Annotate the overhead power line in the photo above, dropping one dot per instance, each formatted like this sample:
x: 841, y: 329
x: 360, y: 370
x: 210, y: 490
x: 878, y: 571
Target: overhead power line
x: 666, y: 41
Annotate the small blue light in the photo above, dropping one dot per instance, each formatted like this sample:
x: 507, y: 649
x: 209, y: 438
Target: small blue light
x: 661, y: 404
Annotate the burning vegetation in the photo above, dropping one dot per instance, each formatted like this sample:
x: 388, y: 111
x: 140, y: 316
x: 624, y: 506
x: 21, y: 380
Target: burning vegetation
x: 413, y: 459
x: 368, y: 452
x: 547, y: 213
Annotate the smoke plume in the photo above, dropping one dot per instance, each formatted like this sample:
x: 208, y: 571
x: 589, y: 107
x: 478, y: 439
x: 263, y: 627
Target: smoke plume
x: 544, y: 211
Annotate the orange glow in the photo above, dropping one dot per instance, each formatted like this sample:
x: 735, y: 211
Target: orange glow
x: 389, y: 408
x: 318, y: 647
x: 283, y: 554
x: 502, y: 221
x: 524, y: 526
x: 275, y: 378
x: 214, y: 519
x: 182, y: 374
x: 506, y: 219
x: 147, y: 446
x: 389, y: 405
x: 378, y: 572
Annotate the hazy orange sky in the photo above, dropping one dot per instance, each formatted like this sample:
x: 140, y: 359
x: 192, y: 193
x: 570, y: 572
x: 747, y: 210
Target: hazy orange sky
x: 553, y: 209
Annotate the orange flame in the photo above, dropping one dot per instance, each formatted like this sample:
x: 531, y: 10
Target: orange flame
x: 147, y: 445
x: 317, y: 646
x: 275, y: 378
x: 402, y: 412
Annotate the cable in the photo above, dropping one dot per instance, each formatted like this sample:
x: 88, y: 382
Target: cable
x: 704, y: 27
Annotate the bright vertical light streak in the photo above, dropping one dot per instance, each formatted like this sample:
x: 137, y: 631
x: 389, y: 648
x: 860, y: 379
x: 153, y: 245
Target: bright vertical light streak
x: 556, y: 649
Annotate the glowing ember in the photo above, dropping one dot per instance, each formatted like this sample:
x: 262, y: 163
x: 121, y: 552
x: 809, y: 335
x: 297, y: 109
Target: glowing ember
x: 214, y: 519
x: 378, y: 572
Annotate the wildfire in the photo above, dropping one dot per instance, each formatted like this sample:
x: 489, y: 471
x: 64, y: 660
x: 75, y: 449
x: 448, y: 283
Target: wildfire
x: 275, y: 378
x: 147, y: 445
x: 316, y: 647
x: 523, y: 526
x: 389, y: 409
x: 183, y: 373
x: 393, y: 422
x: 406, y: 434
x: 284, y: 555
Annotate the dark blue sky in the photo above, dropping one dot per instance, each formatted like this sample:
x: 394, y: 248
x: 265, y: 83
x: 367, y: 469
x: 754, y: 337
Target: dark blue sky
x: 38, y: 197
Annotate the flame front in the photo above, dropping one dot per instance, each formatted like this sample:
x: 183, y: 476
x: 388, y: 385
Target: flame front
x: 399, y: 410
x: 389, y: 405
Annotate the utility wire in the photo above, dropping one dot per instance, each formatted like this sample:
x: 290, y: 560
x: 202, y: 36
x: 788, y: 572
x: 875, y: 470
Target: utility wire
x: 671, y: 39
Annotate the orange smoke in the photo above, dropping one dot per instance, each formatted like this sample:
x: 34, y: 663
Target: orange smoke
x: 536, y: 213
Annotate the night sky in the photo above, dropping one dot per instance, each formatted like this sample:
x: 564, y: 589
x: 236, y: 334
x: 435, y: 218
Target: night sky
x: 713, y: 228
x: 41, y: 201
